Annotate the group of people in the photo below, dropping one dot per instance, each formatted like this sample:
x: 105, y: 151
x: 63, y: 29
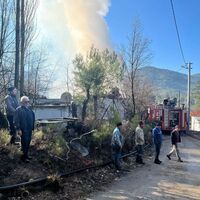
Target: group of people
x: 117, y: 143
x: 21, y: 121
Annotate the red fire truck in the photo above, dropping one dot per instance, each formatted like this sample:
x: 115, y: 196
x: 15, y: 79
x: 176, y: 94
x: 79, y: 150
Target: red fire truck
x: 169, y: 116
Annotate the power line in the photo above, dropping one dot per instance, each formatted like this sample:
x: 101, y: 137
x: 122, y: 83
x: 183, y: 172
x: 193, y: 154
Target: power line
x: 179, y: 40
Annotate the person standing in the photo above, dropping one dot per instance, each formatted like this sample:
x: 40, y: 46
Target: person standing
x: 157, y: 139
x: 11, y: 105
x: 24, y: 120
x: 117, y: 143
x: 175, y: 139
x: 139, y: 142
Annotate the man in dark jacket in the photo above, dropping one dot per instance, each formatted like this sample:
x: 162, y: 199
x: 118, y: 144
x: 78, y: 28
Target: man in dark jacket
x: 175, y: 139
x: 157, y: 139
x: 24, y: 120
x: 11, y: 105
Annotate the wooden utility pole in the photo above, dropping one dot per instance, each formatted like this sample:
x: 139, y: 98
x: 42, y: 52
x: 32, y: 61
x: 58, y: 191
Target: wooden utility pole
x: 17, y: 43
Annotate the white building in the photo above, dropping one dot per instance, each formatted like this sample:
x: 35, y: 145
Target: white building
x: 51, y: 111
x: 195, y: 120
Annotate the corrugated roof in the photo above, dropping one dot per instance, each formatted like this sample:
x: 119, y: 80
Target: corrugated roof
x: 195, y: 113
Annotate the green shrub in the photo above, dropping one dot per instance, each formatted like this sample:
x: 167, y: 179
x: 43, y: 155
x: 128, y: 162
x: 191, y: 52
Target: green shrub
x: 115, y: 117
x: 3, y: 121
x: 50, y: 139
x: 4, y: 137
x: 58, y: 146
x: 103, y: 132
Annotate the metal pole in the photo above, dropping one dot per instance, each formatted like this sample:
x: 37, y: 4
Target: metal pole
x: 188, y: 96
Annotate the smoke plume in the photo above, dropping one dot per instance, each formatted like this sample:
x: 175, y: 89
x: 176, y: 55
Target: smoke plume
x: 73, y: 26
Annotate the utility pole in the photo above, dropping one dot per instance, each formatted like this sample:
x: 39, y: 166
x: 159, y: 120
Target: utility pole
x: 188, y: 94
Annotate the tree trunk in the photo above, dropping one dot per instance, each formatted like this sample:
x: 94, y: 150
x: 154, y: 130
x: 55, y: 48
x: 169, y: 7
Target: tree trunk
x: 17, y: 43
x: 95, y: 106
x: 133, y: 95
x: 22, y: 49
x: 85, y: 103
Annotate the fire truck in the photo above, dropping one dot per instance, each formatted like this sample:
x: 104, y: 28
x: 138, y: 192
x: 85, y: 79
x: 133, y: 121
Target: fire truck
x: 169, y: 115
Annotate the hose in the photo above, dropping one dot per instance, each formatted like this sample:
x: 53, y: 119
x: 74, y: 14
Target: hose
x: 43, y: 180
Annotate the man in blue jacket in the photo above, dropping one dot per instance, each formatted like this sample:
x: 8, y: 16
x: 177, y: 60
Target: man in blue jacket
x: 24, y: 120
x: 157, y: 138
x: 117, y: 143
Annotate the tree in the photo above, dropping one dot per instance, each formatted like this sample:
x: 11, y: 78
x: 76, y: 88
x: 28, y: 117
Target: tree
x: 19, y: 58
x: 38, y: 74
x: 94, y: 75
x: 7, y: 42
x: 135, y: 55
x: 87, y: 74
x: 196, y: 95
x: 27, y: 25
x: 17, y: 43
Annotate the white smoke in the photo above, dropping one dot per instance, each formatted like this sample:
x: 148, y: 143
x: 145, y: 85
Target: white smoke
x: 73, y: 26
x: 70, y: 27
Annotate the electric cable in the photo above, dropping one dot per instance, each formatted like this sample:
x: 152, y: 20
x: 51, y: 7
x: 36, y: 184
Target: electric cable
x: 178, y: 35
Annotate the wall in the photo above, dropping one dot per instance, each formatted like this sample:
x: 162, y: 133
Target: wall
x: 50, y: 112
x: 195, y: 123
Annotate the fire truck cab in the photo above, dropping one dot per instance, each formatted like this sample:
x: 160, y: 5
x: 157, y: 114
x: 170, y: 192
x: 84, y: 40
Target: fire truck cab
x: 169, y: 115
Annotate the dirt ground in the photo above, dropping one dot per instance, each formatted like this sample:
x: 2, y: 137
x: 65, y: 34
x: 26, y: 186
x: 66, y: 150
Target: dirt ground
x: 171, y: 180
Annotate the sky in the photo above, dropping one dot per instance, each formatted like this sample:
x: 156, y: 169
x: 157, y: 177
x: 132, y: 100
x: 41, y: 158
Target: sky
x: 72, y: 26
x: 158, y: 26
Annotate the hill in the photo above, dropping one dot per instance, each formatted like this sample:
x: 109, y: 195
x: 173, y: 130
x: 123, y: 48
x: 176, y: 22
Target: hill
x: 168, y: 80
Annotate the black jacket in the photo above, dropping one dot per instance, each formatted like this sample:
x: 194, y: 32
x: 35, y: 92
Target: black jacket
x: 175, y: 137
x: 24, y: 119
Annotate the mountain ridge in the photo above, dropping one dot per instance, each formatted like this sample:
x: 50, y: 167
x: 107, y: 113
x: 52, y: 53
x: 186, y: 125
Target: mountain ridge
x: 167, y: 80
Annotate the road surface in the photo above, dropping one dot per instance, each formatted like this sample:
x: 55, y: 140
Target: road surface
x: 171, y: 180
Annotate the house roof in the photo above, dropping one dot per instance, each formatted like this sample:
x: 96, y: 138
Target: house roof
x: 195, y: 113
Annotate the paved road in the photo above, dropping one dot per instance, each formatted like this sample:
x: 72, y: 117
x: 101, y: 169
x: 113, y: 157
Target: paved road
x: 169, y: 181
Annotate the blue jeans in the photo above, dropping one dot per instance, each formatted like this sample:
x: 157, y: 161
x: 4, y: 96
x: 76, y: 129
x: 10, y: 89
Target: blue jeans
x: 116, y: 156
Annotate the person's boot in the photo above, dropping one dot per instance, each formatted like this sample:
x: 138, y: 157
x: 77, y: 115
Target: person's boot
x: 29, y: 157
x: 157, y: 161
x: 168, y: 156
x: 137, y: 159
x: 141, y: 161
x: 24, y: 159
x: 179, y: 160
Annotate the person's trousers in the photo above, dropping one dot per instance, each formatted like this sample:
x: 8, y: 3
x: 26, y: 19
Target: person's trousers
x: 176, y: 150
x: 116, y: 156
x: 11, y: 128
x: 25, y: 142
x: 139, y: 153
x: 157, y: 148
